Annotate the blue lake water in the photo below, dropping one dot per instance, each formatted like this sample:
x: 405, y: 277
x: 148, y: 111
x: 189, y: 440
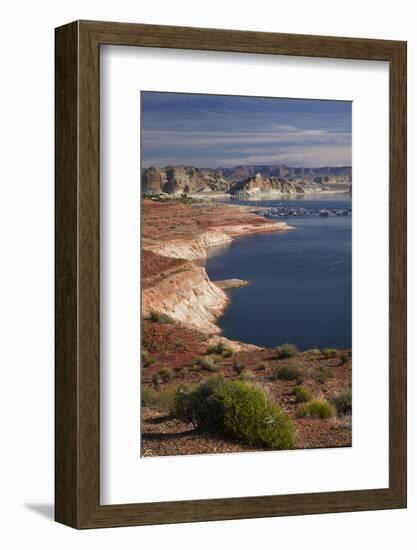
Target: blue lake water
x: 300, y: 287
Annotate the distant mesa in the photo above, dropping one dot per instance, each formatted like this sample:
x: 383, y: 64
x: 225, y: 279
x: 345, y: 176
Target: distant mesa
x: 175, y: 180
x: 245, y: 180
x: 256, y: 185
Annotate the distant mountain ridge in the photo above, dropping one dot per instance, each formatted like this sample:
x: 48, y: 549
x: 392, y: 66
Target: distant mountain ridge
x: 281, y: 171
x: 279, y: 178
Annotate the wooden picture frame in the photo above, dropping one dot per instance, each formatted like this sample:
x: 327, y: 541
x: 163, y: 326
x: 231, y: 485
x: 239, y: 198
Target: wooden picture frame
x: 77, y: 501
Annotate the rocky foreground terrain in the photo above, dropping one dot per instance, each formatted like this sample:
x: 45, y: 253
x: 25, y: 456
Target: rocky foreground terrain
x: 182, y: 345
x: 245, y: 180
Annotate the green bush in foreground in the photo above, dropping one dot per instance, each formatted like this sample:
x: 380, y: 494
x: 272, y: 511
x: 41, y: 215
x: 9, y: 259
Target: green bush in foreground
x: 343, y: 403
x: 286, y: 351
x: 320, y: 408
x: 302, y: 395
x: 202, y: 405
x: 293, y: 371
x: 237, y: 409
x: 252, y: 417
x: 162, y: 400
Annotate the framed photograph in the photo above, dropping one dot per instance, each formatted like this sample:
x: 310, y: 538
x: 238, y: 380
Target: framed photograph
x: 230, y: 274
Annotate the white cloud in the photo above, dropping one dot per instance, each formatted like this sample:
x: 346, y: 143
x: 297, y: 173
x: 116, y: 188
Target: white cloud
x: 311, y: 156
x: 171, y: 137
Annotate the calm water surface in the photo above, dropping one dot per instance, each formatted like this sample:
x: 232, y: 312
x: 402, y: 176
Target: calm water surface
x: 300, y: 280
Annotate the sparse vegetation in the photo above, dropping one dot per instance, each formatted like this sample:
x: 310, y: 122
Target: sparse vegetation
x: 343, y: 403
x: 238, y: 409
x: 329, y: 353
x: 160, y: 318
x: 238, y: 368
x: 320, y: 408
x: 286, y: 351
x: 292, y: 371
x: 151, y: 345
x: 313, y: 353
x: 302, y: 395
x: 220, y: 349
x: 148, y: 396
x: 166, y: 374
x: 228, y: 352
x: 147, y: 359
x: 262, y: 366
x: 320, y: 374
x: 155, y: 379
x: 162, y: 400
x: 209, y: 364
x: 246, y: 375
x: 343, y: 359
x: 179, y: 344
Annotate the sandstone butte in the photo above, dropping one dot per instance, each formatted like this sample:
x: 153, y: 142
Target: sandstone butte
x: 176, y: 239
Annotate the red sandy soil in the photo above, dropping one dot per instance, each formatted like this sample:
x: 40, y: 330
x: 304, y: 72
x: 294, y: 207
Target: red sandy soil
x: 169, y: 220
x: 177, y: 347
x: 153, y: 264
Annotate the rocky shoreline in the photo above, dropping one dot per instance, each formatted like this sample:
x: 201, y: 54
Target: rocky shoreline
x: 185, y: 293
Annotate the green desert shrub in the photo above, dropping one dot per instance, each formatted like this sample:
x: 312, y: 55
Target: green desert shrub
x: 237, y: 409
x: 151, y: 345
x: 320, y: 408
x: 166, y: 374
x: 343, y: 359
x: 166, y: 399
x: 320, y: 374
x: 262, y: 366
x: 221, y: 348
x: 292, y: 371
x: 209, y: 364
x: 148, y: 396
x: 147, y: 359
x: 313, y: 353
x: 329, y: 353
x: 246, y: 376
x: 238, y: 368
x: 302, y: 395
x: 252, y: 417
x: 286, y: 351
x: 161, y: 318
x: 202, y: 405
x: 155, y: 379
x: 162, y: 400
x: 343, y: 403
x: 179, y: 343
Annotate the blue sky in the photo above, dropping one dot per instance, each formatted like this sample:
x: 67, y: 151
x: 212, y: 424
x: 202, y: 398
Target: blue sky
x: 210, y: 131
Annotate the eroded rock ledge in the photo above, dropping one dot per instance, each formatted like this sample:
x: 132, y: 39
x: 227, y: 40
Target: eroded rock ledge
x: 183, y: 290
